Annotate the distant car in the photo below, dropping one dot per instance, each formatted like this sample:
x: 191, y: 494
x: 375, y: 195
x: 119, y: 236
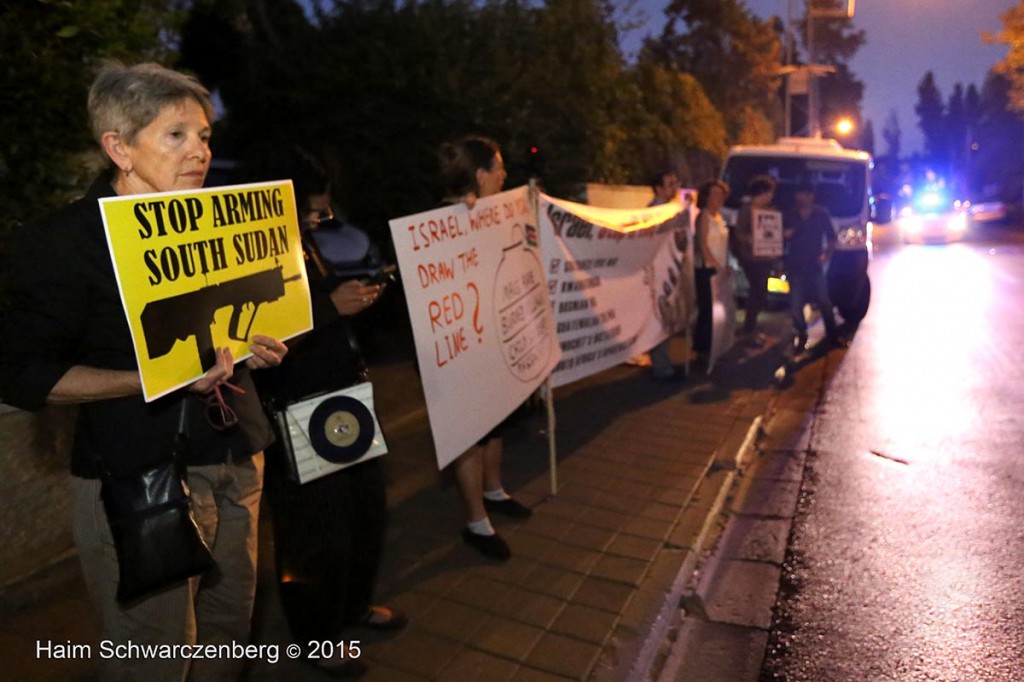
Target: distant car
x: 934, y: 217
x: 990, y: 212
x: 883, y: 229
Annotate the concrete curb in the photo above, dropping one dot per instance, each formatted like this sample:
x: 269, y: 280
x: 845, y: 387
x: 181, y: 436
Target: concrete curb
x: 719, y: 647
x: 668, y: 614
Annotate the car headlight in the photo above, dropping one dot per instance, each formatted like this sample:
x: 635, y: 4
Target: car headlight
x: 957, y: 222
x: 852, y: 237
x: 913, y: 224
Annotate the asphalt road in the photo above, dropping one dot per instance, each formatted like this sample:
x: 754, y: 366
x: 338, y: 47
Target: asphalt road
x: 905, y: 561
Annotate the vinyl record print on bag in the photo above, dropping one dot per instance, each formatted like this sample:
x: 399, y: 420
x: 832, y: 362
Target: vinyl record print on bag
x: 341, y: 429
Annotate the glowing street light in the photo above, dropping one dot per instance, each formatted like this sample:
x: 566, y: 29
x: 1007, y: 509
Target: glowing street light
x: 843, y: 9
x: 844, y: 126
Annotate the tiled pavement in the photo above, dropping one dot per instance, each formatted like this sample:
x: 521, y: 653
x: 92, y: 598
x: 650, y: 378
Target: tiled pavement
x: 597, y: 568
x: 595, y: 573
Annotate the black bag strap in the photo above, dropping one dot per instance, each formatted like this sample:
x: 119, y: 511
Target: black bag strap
x: 332, y: 280
x: 181, y: 438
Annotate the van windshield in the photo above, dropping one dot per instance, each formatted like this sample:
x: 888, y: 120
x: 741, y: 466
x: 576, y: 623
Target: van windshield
x: 839, y: 184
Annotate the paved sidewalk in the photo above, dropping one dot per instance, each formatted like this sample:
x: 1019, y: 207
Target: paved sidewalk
x: 596, y: 572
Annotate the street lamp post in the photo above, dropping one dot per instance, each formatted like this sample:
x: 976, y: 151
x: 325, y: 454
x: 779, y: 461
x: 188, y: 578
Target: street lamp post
x: 813, y: 127
x: 813, y: 70
x: 789, y: 65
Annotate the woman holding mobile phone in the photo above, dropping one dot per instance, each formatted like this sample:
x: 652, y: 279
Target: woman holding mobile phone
x: 328, y: 532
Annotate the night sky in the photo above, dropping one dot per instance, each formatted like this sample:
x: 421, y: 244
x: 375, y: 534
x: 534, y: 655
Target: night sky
x: 905, y: 39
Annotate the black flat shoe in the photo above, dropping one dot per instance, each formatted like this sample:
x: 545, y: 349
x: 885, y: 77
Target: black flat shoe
x: 508, y: 507
x: 838, y: 341
x: 754, y: 339
x: 491, y: 546
x: 379, y: 617
x: 674, y: 377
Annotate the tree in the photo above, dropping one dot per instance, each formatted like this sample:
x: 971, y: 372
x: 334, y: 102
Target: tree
x: 678, y: 126
x: 1011, y: 66
x: 930, y: 112
x: 574, y: 90
x: 867, y: 137
x: 972, y: 108
x: 735, y: 57
x: 1007, y: 79
x: 51, y: 50
x: 957, y: 134
x: 382, y: 83
x: 892, y: 135
x: 997, y: 161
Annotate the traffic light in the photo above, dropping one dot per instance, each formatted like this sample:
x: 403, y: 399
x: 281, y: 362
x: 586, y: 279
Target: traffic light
x: 535, y: 162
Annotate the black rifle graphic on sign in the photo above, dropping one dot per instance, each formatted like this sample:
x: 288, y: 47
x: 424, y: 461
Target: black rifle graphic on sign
x: 176, y: 318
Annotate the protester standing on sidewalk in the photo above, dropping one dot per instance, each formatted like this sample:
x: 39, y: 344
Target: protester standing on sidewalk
x: 472, y: 168
x: 710, y: 256
x: 755, y: 268
x: 810, y: 239
x: 328, y: 532
x: 65, y: 339
x: 666, y: 188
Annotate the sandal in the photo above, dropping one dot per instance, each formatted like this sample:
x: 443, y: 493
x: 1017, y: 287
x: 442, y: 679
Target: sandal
x: 379, y: 617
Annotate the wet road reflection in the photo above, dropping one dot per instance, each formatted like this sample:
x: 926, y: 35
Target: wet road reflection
x: 913, y: 571
x: 931, y: 333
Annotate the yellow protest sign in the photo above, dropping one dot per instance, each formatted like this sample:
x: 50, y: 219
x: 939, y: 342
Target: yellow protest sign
x: 203, y: 270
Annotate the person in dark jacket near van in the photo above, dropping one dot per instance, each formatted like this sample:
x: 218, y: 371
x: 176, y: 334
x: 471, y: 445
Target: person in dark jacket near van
x: 810, y: 240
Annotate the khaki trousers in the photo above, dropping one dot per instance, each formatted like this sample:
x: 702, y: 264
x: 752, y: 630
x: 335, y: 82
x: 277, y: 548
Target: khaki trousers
x: 213, y: 609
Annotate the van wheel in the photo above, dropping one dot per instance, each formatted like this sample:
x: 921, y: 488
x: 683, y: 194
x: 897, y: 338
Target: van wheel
x: 853, y: 308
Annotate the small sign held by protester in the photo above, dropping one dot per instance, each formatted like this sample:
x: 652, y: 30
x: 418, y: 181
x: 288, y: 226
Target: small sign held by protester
x: 767, y: 226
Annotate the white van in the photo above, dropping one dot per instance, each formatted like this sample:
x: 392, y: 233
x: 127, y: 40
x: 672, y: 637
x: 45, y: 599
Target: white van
x: 842, y: 181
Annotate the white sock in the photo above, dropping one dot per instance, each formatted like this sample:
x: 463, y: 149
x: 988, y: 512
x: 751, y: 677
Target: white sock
x: 497, y: 495
x: 481, y: 527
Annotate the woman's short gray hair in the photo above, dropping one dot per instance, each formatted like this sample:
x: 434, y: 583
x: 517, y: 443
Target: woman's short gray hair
x: 126, y: 99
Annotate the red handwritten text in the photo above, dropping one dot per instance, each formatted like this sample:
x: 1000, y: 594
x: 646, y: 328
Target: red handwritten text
x: 434, y: 231
x: 435, y: 273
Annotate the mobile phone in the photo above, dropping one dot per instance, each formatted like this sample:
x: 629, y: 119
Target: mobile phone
x: 384, y: 274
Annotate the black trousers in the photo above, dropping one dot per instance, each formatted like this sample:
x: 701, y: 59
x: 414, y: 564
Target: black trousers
x: 702, y: 328
x: 757, y: 272
x: 328, y: 540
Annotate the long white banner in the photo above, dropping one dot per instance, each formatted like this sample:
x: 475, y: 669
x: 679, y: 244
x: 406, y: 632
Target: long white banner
x: 618, y: 282
x: 480, y: 312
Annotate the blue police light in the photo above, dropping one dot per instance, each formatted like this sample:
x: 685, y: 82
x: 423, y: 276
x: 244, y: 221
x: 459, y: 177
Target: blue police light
x: 931, y: 200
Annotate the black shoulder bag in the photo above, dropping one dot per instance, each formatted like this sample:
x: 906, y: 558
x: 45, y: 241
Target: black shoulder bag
x: 157, y: 539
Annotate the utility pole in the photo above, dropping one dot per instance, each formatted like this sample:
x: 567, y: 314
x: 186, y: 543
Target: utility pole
x: 813, y: 124
x: 788, y: 130
x: 811, y: 71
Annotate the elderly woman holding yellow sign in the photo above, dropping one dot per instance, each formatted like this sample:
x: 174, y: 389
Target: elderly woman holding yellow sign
x: 165, y: 563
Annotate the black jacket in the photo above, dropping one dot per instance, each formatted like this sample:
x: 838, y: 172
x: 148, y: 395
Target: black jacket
x: 65, y: 310
x: 327, y: 358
